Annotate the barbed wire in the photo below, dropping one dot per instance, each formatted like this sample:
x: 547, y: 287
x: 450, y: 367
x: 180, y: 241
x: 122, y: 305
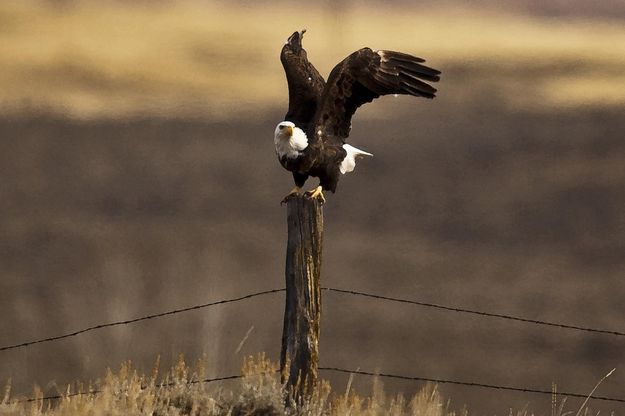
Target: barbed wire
x: 470, y: 384
x: 474, y: 312
x: 142, y: 318
x: 328, y: 289
x: 96, y: 392
x: 365, y: 373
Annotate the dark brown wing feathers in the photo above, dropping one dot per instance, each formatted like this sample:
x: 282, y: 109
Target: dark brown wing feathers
x: 305, y: 83
x: 362, y: 77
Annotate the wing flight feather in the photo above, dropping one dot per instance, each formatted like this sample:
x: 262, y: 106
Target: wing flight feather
x: 362, y: 77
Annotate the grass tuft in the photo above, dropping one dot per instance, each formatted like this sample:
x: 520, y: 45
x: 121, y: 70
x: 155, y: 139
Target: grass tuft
x: 181, y: 392
x: 257, y: 392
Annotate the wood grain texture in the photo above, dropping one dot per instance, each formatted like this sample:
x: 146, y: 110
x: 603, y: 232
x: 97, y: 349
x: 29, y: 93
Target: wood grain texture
x: 300, y: 337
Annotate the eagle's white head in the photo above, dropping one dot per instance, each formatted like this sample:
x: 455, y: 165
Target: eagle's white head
x: 289, y: 139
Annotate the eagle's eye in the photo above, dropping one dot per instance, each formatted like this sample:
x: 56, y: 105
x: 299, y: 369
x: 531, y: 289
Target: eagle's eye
x: 281, y: 127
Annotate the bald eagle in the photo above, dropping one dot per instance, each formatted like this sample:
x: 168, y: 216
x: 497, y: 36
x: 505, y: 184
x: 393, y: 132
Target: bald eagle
x: 311, y: 139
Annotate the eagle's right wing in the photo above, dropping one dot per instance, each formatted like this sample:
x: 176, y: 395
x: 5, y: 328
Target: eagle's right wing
x: 305, y: 83
x: 362, y: 77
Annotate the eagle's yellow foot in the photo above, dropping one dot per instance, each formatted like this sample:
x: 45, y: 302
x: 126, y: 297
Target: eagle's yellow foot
x: 294, y: 192
x: 316, y: 193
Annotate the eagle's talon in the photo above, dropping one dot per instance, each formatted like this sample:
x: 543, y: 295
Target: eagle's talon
x: 316, y: 193
x: 294, y: 193
x: 286, y: 199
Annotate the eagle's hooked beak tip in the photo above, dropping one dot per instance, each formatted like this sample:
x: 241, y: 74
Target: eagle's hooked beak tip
x: 296, y: 38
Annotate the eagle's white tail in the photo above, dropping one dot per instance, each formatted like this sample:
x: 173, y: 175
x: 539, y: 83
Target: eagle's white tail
x: 349, y: 163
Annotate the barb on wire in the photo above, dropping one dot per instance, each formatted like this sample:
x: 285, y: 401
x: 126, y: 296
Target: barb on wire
x: 470, y: 384
x: 474, y: 312
x: 142, y: 318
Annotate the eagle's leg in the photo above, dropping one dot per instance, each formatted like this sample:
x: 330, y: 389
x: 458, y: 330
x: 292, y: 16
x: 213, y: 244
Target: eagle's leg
x: 294, y: 192
x: 316, y: 193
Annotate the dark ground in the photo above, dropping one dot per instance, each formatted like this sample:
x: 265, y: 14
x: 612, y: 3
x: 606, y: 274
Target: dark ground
x: 474, y: 206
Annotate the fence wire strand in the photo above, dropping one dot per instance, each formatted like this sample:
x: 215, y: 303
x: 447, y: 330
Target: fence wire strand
x: 96, y: 392
x: 142, y: 318
x: 336, y: 369
x: 470, y: 384
x: 474, y: 312
x: 327, y: 289
x: 364, y: 373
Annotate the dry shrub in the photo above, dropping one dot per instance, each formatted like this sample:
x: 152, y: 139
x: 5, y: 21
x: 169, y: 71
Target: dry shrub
x: 181, y: 391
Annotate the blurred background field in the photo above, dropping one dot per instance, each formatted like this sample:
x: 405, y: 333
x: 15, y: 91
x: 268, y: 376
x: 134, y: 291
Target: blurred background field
x: 121, y: 59
x: 138, y: 175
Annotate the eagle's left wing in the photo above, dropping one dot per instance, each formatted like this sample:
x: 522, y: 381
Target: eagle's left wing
x: 305, y: 82
x: 363, y: 76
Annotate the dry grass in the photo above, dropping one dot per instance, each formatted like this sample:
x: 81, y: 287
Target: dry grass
x: 109, y: 59
x: 258, y: 392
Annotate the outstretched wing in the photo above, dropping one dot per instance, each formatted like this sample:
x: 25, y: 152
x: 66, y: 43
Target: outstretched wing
x: 362, y: 77
x: 305, y: 83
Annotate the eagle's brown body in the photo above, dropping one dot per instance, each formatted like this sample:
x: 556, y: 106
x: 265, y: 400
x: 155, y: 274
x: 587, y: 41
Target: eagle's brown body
x: 323, y: 111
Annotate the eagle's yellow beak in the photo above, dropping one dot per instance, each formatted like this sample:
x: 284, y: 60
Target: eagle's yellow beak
x: 288, y: 130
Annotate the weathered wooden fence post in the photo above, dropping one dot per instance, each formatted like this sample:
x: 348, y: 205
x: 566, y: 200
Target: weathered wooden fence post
x: 300, y: 336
